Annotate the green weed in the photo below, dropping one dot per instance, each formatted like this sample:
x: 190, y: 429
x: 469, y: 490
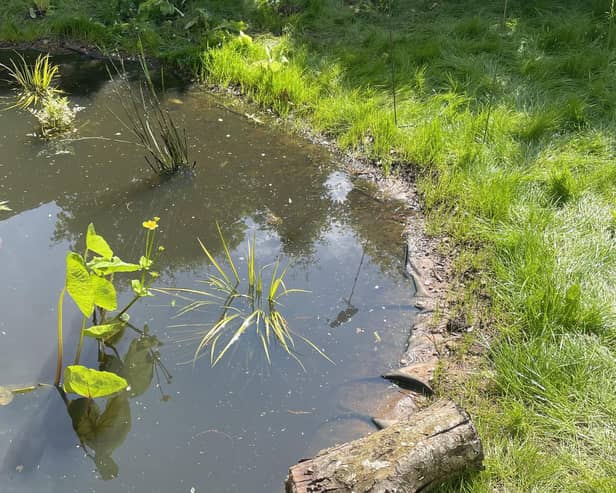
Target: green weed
x: 256, y: 308
x: 165, y: 143
x: 34, y: 83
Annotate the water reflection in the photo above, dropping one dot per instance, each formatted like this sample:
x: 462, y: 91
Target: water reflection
x: 235, y: 427
x: 102, y: 432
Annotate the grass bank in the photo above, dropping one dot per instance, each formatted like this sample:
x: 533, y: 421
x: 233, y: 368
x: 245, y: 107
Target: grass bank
x: 507, y: 119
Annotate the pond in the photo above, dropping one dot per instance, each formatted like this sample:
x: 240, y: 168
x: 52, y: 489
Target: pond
x: 236, y: 426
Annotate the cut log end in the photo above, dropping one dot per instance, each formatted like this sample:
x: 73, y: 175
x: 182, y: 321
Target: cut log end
x: 408, y: 456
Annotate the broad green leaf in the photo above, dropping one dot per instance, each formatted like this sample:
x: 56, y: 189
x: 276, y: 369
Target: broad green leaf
x: 91, y: 383
x: 97, y: 243
x: 111, y: 266
x: 79, y: 284
x: 104, y: 293
x: 103, y: 332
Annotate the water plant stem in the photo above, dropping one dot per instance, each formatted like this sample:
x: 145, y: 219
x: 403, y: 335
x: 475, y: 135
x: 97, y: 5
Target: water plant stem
x: 80, y: 343
x: 58, y: 376
x: 118, y: 316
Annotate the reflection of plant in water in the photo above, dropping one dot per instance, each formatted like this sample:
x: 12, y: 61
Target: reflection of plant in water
x: 89, y: 282
x: 255, y: 307
x: 101, y: 432
x: 166, y: 145
x: 37, y: 92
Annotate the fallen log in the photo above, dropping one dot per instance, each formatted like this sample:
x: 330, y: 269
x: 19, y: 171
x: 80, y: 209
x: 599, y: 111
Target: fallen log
x: 409, y: 456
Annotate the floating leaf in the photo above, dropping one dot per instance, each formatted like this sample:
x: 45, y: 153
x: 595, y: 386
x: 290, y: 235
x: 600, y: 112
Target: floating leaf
x: 97, y: 243
x: 111, y: 266
x: 105, y: 331
x: 91, y: 383
x: 79, y: 284
x: 6, y: 396
x: 104, y: 293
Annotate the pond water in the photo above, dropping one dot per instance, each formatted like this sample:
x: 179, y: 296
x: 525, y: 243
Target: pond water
x: 239, y: 425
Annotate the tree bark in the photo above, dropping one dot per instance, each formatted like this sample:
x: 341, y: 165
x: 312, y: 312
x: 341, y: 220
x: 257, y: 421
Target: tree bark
x: 410, y: 456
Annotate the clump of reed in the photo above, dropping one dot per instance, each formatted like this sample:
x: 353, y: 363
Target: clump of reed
x: 36, y: 90
x: 242, y: 308
x: 156, y: 131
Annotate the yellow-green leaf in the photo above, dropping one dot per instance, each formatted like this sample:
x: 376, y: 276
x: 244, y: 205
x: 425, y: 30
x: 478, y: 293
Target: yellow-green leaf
x: 104, y: 331
x: 110, y: 266
x: 79, y: 284
x: 97, y: 243
x: 104, y: 293
x: 91, y: 383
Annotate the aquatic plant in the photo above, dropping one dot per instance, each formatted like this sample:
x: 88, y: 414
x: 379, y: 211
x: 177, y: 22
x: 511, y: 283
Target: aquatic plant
x: 165, y: 143
x: 3, y: 206
x: 55, y: 116
x: 256, y: 307
x: 38, y: 93
x: 89, y: 282
x: 139, y: 365
x: 34, y: 82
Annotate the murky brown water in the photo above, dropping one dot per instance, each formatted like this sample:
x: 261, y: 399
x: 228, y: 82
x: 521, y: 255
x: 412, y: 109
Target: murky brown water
x: 235, y: 427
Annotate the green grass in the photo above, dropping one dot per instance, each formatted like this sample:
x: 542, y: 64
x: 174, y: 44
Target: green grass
x: 33, y: 83
x: 509, y: 127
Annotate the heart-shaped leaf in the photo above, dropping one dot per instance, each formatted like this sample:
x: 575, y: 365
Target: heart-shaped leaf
x: 79, y: 284
x: 97, y: 243
x: 104, y: 293
x: 91, y: 383
x: 103, y: 332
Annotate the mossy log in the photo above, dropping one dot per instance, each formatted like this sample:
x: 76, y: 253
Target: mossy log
x: 412, y: 455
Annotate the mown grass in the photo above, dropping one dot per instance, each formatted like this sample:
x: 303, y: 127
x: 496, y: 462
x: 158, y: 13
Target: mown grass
x: 509, y: 126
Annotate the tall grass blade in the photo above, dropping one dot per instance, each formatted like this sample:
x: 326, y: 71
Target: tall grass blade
x: 214, y: 263
x: 227, y: 253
